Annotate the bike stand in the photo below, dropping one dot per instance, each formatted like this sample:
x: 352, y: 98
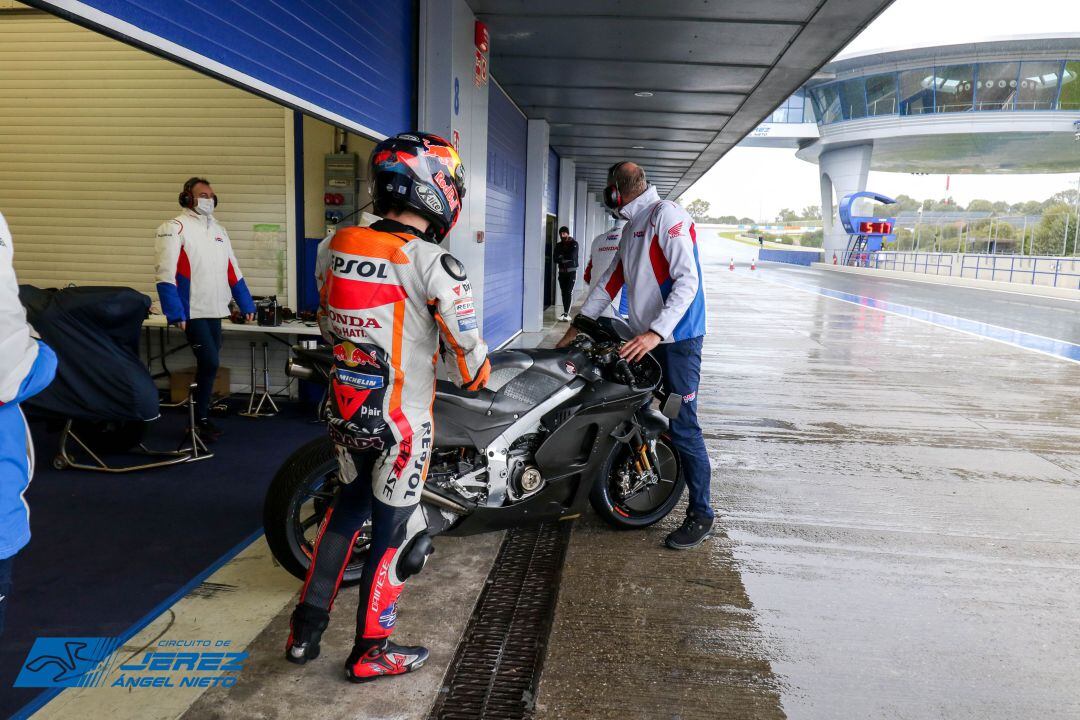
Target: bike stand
x: 255, y: 408
x: 65, y: 459
x: 197, y: 449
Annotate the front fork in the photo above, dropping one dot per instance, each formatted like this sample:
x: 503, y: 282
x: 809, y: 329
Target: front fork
x: 644, y: 458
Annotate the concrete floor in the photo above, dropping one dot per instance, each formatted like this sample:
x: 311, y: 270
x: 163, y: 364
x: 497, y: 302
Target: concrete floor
x: 898, y: 532
x: 898, y: 537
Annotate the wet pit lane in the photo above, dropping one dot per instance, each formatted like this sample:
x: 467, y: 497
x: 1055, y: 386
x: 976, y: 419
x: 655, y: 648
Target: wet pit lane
x: 898, y: 533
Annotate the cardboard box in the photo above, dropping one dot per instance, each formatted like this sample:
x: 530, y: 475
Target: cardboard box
x: 180, y: 379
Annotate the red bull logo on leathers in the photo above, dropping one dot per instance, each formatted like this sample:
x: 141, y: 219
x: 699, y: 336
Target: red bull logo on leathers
x: 353, y: 356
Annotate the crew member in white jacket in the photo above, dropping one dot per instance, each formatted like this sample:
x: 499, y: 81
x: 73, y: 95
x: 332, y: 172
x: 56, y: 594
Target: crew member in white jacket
x: 657, y: 265
x: 197, y: 273
x: 601, y: 254
x: 27, y: 366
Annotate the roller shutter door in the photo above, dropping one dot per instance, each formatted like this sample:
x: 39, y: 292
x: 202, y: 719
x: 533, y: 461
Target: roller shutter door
x: 504, y: 254
x: 97, y: 137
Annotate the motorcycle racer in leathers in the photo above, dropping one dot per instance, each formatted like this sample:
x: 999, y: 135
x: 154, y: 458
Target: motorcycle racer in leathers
x: 391, y: 301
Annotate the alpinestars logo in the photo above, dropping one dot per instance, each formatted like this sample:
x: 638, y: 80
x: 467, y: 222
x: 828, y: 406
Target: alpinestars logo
x: 675, y: 230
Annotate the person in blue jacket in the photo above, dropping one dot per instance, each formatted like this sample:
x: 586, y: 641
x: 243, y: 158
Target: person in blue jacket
x: 27, y: 366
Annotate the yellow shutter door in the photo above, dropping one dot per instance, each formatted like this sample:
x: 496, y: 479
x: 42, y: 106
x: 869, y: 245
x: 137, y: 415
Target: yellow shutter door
x: 96, y: 140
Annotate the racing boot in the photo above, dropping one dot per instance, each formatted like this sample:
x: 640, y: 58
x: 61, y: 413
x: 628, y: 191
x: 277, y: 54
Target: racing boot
x: 305, y: 630
x: 372, y: 659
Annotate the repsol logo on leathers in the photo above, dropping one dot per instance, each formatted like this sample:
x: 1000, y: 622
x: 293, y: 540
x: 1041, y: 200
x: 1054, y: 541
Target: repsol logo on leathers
x: 359, y: 268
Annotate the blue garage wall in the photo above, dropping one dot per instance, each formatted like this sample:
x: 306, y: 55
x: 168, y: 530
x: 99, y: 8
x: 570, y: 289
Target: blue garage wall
x: 352, y: 62
x: 551, y: 185
x: 504, y: 253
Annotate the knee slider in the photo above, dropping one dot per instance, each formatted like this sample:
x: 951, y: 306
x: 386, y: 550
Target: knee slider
x: 414, y: 555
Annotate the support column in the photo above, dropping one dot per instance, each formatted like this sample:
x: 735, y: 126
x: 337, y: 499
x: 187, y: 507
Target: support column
x: 843, y: 171
x: 567, y: 180
x: 536, y: 171
x: 581, y: 224
x: 449, y: 101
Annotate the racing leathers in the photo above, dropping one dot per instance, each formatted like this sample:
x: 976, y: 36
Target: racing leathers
x: 601, y: 255
x: 386, y: 300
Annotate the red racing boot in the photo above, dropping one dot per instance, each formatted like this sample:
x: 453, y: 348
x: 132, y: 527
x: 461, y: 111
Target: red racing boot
x: 305, y: 630
x: 372, y: 659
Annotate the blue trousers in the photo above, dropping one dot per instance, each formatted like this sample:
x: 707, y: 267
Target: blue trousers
x: 204, y: 336
x: 681, y: 362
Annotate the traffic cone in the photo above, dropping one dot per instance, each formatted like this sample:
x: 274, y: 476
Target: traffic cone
x: 732, y: 265
x: 753, y: 264
x: 834, y: 258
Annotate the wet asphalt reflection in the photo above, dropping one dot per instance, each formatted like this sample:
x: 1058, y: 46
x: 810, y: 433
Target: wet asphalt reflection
x: 900, y: 529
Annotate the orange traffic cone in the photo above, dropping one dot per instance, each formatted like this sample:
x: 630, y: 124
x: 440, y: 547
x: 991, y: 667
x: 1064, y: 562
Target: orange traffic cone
x: 753, y: 264
x: 732, y: 265
x: 834, y: 258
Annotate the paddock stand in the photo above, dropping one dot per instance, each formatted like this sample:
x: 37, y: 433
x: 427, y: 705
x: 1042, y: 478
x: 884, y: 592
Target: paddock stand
x: 195, y: 450
x: 257, y: 399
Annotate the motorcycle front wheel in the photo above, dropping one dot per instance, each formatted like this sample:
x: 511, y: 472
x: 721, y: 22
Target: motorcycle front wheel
x: 647, y: 505
x: 296, y: 503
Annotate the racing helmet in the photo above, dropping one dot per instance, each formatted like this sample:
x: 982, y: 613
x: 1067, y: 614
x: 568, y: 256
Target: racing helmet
x: 419, y: 172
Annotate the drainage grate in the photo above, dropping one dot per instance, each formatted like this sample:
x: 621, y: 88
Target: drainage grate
x: 497, y: 667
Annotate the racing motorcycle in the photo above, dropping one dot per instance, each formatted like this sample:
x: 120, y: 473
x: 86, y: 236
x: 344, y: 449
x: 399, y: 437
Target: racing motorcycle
x: 553, y: 431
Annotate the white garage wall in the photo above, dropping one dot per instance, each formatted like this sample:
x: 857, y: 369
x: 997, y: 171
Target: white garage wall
x: 96, y: 139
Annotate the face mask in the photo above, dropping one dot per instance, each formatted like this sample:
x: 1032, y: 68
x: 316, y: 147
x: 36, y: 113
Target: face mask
x: 205, y: 206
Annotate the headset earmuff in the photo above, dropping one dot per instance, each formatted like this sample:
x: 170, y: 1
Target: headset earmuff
x: 612, y: 194
x: 187, y: 199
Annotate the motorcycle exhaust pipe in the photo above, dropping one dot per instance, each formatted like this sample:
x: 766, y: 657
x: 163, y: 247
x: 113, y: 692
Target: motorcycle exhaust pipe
x: 298, y: 370
x: 434, y: 498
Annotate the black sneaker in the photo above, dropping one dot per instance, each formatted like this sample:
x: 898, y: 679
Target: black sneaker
x: 208, y: 431
x: 305, y: 630
x: 692, y: 533
x: 371, y: 660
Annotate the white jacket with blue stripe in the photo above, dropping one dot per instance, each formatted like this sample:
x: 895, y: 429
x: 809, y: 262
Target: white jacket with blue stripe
x: 658, y: 263
x: 27, y: 366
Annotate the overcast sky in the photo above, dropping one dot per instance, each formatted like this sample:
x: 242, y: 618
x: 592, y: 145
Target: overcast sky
x: 757, y: 182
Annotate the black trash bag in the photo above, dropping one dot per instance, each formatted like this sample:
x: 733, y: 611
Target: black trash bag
x: 95, y: 334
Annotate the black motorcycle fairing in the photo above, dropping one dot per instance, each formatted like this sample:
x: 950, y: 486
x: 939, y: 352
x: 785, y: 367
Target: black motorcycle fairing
x: 475, y: 419
x: 653, y: 422
x: 570, y: 457
x: 473, y: 401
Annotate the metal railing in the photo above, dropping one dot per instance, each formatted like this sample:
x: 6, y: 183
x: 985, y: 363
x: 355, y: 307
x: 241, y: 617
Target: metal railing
x: 1061, y: 272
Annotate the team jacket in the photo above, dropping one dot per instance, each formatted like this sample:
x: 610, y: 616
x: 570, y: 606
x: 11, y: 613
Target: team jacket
x: 566, y: 255
x: 386, y: 299
x: 601, y: 254
x: 27, y: 366
x: 657, y: 261
x: 197, y: 271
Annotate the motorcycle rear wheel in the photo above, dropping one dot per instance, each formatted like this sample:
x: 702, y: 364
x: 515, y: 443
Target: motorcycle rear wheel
x: 644, y: 508
x: 296, y: 503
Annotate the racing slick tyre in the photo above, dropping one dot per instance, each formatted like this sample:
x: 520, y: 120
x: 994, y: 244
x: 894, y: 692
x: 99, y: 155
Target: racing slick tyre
x: 646, y: 506
x: 296, y: 503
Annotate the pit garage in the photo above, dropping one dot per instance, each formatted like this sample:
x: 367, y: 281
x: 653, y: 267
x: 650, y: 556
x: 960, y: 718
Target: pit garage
x: 107, y: 106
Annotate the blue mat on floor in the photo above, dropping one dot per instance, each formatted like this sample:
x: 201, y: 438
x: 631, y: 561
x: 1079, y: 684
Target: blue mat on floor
x: 107, y: 549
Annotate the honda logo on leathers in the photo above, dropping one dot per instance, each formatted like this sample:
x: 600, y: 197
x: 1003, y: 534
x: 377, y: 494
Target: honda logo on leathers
x: 353, y: 320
